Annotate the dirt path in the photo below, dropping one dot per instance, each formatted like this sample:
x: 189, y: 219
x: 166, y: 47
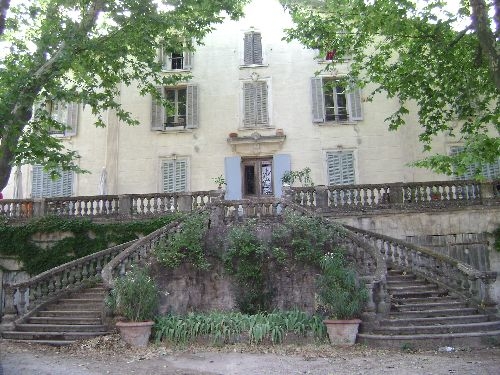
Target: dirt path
x: 109, y: 355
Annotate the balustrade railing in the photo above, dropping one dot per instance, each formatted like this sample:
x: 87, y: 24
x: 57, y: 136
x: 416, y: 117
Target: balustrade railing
x: 234, y: 210
x: 23, y: 297
x: 85, y: 206
x: 16, y: 208
x: 450, y: 273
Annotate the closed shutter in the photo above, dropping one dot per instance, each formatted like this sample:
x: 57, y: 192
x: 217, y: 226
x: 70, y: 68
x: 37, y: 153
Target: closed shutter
x: 181, y: 175
x: 252, y: 49
x: 261, y: 107
x: 67, y: 184
x: 157, y: 112
x: 355, y: 109
x: 43, y: 186
x: 192, y: 107
x: 37, y: 182
x: 318, y: 100
x: 281, y: 164
x: 248, y: 104
x: 174, y: 175
x: 255, y: 104
x: 232, y: 174
x: 340, y: 168
x: 492, y: 171
x: 71, y: 119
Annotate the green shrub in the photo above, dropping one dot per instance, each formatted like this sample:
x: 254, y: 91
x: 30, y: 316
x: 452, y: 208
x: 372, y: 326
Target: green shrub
x: 134, y: 296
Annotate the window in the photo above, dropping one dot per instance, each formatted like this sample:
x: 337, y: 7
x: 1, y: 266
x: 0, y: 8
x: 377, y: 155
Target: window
x: 43, y: 186
x: 255, y: 104
x: 252, y: 49
x: 182, y: 110
x: 488, y: 171
x: 332, y: 102
x: 175, y: 173
x: 340, y: 167
x: 257, y: 177
x: 66, y: 114
x: 179, y: 60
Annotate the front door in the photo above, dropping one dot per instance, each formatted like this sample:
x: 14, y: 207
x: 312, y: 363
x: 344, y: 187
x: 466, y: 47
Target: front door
x: 257, y: 177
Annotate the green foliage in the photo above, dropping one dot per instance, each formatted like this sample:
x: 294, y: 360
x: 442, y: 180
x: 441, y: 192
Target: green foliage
x: 339, y: 291
x: 85, y: 237
x: 227, y: 327
x: 220, y: 181
x: 496, y: 234
x: 303, y: 176
x: 187, y: 245
x: 446, y: 63
x: 134, y: 296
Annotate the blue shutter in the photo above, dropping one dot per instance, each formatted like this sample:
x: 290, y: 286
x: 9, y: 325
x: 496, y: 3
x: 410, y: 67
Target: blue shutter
x: 232, y: 171
x: 281, y: 164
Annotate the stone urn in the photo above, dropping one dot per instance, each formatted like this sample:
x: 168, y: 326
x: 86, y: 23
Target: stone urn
x: 342, y: 332
x: 135, y: 333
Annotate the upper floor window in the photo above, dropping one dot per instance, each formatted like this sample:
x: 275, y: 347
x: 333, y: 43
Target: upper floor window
x: 334, y: 102
x: 66, y: 115
x: 252, y: 48
x: 340, y: 167
x: 488, y: 171
x: 43, y: 186
x: 182, y: 109
x: 175, y: 175
x: 255, y: 104
x: 177, y: 60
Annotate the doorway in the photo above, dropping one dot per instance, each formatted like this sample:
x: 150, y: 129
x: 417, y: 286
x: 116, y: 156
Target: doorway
x: 257, y: 177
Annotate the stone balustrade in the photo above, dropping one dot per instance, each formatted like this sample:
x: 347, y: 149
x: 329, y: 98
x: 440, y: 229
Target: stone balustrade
x: 448, y: 272
x: 23, y: 297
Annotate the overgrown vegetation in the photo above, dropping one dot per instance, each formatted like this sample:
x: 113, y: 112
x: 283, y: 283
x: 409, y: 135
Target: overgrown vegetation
x: 82, y: 237
x: 227, y: 327
x: 496, y: 234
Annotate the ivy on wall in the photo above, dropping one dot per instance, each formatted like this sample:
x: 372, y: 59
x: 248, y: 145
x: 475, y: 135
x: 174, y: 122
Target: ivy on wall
x: 82, y: 237
x: 496, y: 234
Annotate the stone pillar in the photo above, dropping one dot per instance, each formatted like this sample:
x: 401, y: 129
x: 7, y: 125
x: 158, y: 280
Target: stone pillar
x: 39, y: 207
x: 125, y: 205
x: 185, y: 203
x: 487, y: 192
x: 396, y: 194
x: 321, y: 197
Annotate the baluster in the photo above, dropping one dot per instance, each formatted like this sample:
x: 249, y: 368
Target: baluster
x: 9, y: 306
x: 370, y: 303
x: 403, y: 256
x: 22, y: 300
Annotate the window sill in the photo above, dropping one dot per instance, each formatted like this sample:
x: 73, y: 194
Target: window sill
x: 336, y: 123
x: 242, y: 66
x: 185, y: 70
x: 174, y: 129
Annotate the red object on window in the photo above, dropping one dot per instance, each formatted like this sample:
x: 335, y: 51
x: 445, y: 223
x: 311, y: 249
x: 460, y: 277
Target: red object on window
x: 330, y: 55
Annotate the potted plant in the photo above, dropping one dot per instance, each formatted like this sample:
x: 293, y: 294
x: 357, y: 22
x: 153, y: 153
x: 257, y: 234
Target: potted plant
x: 341, y: 297
x: 220, y: 181
x: 135, y: 299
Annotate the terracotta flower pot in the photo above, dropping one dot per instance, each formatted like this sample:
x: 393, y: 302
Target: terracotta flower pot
x: 135, y: 333
x: 342, y: 332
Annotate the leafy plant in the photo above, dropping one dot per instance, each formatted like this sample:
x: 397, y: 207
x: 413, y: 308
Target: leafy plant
x: 134, y: 296
x: 303, y: 176
x: 185, y: 245
x: 339, y: 291
x: 220, y: 181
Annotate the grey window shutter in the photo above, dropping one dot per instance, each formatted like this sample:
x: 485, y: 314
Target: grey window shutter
x: 340, y: 168
x: 248, y: 50
x: 192, y: 107
x: 232, y: 173
x: 168, y: 176
x: 249, y: 110
x: 318, y: 100
x: 257, y: 48
x: 261, y: 103
x: 281, y: 164
x: 67, y: 184
x: 71, y: 119
x: 188, y: 60
x: 157, y: 112
x: 252, y: 53
x: 355, y: 108
x: 37, y: 182
x: 180, y: 175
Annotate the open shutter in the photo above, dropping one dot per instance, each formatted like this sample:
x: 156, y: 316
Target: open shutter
x: 261, y: 103
x: 281, y: 164
x: 318, y: 100
x: 192, y: 107
x: 232, y: 173
x: 355, y: 109
x: 71, y: 119
x: 157, y: 112
x: 249, y: 114
x: 188, y: 60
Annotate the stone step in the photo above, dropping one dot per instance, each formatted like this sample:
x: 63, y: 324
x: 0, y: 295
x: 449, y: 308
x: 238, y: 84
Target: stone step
x: 62, y: 320
x: 58, y: 336
x: 81, y: 301
x: 75, y: 306
x: 43, y: 342
x: 70, y: 313
x: 406, y: 283
x: 422, y: 306
x: 412, y: 288
x: 439, y: 329
x: 431, y: 341
x: 417, y: 294
x: 433, y: 313
x: 401, y: 322
x: 29, y: 327
x: 425, y: 300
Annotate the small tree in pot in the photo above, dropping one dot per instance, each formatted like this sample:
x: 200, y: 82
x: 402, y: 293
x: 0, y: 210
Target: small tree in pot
x: 135, y: 298
x: 342, y: 297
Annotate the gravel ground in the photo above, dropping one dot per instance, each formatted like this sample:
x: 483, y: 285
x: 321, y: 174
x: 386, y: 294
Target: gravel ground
x: 109, y: 355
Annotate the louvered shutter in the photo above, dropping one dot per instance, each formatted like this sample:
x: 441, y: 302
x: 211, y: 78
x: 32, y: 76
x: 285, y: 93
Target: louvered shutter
x: 181, y: 175
x: 355, y: 109
x: 340, y: 168
x: 188, y: 60
x: 157, y: 112
x: 257, y: 48
x: 249, y: 104
x: 192, y: 107
x: 67, y: 184
x: 347, y: 168
x: 37, y: 182
x: 168, y: 176
x: 492, y: 171
x: 248, y: 50
x: 261, y: 103
x: 318, y: 100
x: 71, y: 119
x: 252, y: 49
x: 471, y: 170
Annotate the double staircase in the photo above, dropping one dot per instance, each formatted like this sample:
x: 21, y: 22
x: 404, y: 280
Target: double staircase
x: 423, y: 315
x: 76, y: 316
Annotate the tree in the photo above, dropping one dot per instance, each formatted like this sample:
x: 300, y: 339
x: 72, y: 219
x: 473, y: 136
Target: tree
x: 412, y: 50
x: 78, y: 51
